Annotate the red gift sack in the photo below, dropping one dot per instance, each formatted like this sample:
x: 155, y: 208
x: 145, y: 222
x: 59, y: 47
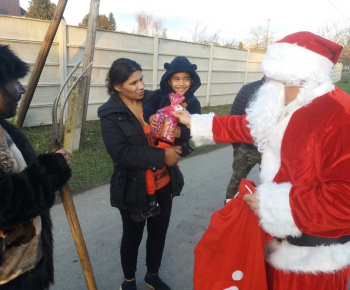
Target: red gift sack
x: 230, y: 255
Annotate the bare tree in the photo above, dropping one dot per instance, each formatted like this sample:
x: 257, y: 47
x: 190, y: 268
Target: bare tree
x: 164, y: 33
x: 258, y: 39
x: 232, y: 43
x: 345, y: 55
x: 334, y: 31
x: 201, y: 35
x: 149, y: 25
x: 157, y: 26
x: 143, y: 22
x: 339, y: 33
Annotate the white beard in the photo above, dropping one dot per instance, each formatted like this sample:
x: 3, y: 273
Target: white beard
x: 268, y: 106
x: 264, y: 112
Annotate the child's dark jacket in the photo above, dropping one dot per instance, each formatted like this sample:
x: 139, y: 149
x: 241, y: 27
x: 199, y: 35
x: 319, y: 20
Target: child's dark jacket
x: 161, y: 98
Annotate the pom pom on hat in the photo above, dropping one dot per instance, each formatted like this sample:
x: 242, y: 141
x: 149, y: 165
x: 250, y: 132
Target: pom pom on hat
x: 301, y: 57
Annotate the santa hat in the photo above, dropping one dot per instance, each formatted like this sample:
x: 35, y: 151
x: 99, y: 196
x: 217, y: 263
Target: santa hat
x: 11, y: 66
x: 301, y: 57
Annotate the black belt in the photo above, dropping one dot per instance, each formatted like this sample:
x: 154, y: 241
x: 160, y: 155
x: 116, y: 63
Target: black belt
x: 312, y: 241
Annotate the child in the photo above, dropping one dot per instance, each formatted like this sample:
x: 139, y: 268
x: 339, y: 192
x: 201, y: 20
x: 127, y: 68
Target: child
x: 159, y: 137
x: 180, y: 77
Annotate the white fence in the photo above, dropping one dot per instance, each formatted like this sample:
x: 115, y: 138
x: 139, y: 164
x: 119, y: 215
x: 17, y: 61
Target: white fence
x: 336, y: 74
x: 223, y: 71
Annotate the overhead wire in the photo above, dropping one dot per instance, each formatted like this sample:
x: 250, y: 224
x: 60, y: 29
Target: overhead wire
x: 338, y: 9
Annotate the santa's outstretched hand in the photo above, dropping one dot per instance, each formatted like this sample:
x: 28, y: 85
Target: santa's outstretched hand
x: 251, y: 200
x: 184, y: 118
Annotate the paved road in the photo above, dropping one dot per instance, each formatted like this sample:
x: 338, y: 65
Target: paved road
x: 206, y: 178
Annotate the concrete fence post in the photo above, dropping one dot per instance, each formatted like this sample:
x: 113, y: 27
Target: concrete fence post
x: 74, y: 123
x: 155, y: 61
x: 210, y: 67
x: 246, y: 67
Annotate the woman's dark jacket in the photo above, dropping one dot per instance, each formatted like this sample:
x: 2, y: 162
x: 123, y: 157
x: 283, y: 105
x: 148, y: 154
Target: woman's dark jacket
x: 127, y: 145
x: 26, y: 195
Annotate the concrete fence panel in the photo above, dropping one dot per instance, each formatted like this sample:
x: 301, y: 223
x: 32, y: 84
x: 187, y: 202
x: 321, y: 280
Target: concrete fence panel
x: 336, y: 73
x: 223, y: 71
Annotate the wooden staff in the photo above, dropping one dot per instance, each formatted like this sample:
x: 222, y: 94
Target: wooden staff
x: 78, y: 237
x: 75, y: 228
x: 39, y: 64
x: 74, y: 225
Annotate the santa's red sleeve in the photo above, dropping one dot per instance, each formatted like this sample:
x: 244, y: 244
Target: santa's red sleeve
x: 209, y: 128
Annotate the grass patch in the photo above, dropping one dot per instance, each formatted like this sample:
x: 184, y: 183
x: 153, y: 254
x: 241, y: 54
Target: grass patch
x: 220, y: 111
x: 91, y: 165
x: 344, y: 86
x: 345, y: 77
x: 40, y: 137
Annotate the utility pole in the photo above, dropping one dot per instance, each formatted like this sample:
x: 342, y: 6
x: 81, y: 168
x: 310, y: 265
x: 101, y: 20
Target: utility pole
x: 89, y: 56
x: 78, y: 102
x: 267, y: 32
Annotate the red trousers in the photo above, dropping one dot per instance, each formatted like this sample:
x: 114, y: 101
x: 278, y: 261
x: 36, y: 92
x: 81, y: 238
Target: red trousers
x: 279, y: 280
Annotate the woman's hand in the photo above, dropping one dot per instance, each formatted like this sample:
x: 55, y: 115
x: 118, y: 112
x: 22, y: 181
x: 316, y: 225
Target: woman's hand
x: 184, y: 117
x: 153, y: 121
x: 64, y: 154
x: 253, y: 202
x: 172, y: 155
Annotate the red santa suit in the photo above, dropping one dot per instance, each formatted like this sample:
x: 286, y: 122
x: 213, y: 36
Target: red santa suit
x: 304, y: 192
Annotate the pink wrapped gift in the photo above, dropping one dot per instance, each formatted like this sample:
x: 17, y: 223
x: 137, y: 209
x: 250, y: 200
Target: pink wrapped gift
x: 166, y: 119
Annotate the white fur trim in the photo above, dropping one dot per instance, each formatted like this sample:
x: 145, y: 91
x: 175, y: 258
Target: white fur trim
x: 270, y: 162
x: 324, y: 88
x: 201, y: 129
x: 308, y: 259
x: 291, y: 64
x: 274, y: 209
x: 19, y: 162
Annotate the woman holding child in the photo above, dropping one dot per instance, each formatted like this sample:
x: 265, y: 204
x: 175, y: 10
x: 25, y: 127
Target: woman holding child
x: 127, y: 139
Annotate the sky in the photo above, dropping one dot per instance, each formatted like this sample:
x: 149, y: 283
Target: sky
x: 231, y: 19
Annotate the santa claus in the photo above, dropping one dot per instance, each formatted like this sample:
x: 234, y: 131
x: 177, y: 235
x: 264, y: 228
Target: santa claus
x: 301, y: 123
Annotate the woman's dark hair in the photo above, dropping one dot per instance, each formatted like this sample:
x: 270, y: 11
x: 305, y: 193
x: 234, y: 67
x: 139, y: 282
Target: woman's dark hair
x: 119, y: 72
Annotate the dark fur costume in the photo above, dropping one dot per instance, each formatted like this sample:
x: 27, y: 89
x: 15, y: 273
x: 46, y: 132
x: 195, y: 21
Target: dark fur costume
x: 28, y: 194
x: 11, y: 67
